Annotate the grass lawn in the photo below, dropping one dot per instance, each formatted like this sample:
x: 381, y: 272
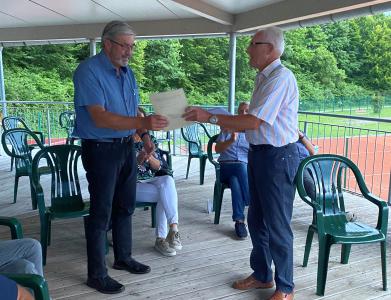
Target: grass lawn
x: 367, y: 127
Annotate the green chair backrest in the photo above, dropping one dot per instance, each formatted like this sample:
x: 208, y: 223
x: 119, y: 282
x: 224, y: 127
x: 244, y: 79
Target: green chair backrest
x: 12, y: 122
x: 67, y: 121
x: 65, y: 186
x: 21, y: 140
x: 211, y: 156
x: 328, y: 175
x: 191, y: 134
x: 328, y: 172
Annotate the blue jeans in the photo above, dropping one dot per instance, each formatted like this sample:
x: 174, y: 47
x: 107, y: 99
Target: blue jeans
x: 22, y: 256
x: 271, y: 173
x: 235, y: 175
x: 111, y: 175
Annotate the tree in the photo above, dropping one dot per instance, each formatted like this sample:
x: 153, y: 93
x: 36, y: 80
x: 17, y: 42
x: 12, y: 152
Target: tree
x: 163, y: 65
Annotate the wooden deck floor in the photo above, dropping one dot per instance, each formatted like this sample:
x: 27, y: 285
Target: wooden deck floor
x: 211, y: 258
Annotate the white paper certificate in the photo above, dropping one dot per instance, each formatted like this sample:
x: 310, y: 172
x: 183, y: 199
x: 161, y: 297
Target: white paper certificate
x: 172, y: 105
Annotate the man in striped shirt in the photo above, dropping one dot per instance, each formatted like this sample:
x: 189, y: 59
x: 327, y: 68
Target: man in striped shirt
x: 272, y: 130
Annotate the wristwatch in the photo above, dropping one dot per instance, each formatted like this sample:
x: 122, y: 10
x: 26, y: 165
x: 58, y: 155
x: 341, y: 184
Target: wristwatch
x: 213, y: 119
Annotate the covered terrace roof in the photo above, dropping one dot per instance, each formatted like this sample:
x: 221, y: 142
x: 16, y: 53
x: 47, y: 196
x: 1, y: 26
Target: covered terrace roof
x: 47, y: 21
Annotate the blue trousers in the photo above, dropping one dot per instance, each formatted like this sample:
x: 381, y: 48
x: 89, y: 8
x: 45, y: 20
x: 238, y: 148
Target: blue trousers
x: 271, y: 173
x: 235, y: 175
x: 111, y: 175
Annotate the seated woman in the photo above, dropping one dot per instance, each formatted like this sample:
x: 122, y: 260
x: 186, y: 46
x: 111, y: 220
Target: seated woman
x: 154, y: 185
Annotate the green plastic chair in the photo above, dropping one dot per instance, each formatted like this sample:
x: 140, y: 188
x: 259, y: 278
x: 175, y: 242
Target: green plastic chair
x: 219, y: 187
x: 329, y: 216
x: 65, y: 198
x: 21, y: 140
x: 13, y: 122
x: 191, y: 134
x: 67, y: 122
x: 32, y: 281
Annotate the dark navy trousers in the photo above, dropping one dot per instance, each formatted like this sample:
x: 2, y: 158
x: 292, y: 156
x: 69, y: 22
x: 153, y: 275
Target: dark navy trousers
x: 111, y: 175
x: 271, y: 174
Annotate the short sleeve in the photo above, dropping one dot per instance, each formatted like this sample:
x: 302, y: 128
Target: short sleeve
x: 87, y: 89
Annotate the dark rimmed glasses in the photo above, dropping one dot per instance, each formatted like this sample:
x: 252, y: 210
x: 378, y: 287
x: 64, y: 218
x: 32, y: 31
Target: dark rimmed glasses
x: 123, y: 46
x: 259, y: 43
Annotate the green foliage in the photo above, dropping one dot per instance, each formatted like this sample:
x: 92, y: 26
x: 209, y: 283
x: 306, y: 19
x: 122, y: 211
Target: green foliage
x: 377, y: 103
x: 205, y: 63
x: 163, y: 69
x: 244, y: 73
x: 345, y: 60
x: 36, y: 85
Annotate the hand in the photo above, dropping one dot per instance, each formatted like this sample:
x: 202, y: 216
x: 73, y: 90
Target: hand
x: 141, y: 157
x: 198, y: 114
x: 154, y: 122
x: 234, y: 136
x: 149, y: 147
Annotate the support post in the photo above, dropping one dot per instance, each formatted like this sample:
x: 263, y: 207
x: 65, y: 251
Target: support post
x: 232, y: 72
x: 2, y: 85
x: 92, y: 47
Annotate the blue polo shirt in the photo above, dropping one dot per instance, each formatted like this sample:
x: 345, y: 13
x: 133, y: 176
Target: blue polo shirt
x: 238, y: 150
x: 96, y: 83
x: 8, y: 288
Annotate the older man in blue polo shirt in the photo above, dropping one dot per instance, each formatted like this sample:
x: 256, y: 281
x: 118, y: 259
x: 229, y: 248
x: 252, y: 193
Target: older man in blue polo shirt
x: 273, y: 159
x: 106, y: 101
x: 233, y: 149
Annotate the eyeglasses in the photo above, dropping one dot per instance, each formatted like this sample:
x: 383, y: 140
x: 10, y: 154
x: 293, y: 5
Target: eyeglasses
x: 259, y: 43
x: 123, y: 46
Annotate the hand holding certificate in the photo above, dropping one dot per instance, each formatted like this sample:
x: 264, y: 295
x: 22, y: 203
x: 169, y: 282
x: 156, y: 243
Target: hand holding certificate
x: 171, y: 104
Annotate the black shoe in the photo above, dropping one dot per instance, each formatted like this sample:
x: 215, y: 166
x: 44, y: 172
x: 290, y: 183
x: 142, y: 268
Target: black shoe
x: 106, y: 285
x: 132, y: 266
x: 241, y: 230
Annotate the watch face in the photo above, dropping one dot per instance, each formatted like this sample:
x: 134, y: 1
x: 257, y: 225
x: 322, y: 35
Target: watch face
x: 213, y: 119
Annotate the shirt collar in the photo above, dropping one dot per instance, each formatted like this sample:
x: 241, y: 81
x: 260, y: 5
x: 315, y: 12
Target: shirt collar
x: 267, y: 71
x: 107, y: 63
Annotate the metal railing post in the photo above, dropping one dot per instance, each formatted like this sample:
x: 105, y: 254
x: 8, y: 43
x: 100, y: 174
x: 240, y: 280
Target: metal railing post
x: 2, y: 85
x: 346, y: 152
x: 174, y: 142
x: 48, y: 124
x: 389, y: 191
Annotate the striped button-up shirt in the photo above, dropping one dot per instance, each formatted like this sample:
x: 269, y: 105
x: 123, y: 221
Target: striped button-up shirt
x: 275, y: 100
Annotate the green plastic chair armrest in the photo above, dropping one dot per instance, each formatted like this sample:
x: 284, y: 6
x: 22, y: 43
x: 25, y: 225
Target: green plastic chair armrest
x: 32, y: 281
x: 14, y: 225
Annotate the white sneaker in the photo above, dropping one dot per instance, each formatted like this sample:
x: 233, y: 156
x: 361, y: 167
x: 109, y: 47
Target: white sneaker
x: 173, y: 239
x: 163, y: 247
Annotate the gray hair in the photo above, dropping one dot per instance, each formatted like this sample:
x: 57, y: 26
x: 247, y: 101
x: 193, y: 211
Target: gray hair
x: 275, y: 36
x: 115, y: 28
x: 244, y: 103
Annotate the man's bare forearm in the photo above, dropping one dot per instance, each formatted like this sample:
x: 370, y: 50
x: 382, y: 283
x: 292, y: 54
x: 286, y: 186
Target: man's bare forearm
x: 239, y: 122
x: 105, y: 119
x: 222, y: 146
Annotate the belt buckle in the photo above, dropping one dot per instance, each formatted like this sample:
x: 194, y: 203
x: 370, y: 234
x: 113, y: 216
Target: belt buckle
x: 126, y: 139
